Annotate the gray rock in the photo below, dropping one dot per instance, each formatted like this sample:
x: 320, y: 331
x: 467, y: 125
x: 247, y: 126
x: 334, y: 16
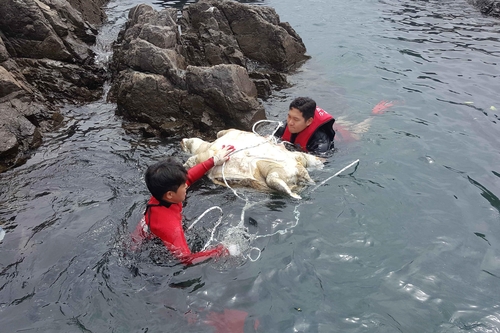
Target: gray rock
x: 4, y: 55
x: 58, y: 80
x: 8, y: 84
x: 45, y: 59
x: 201, y: 73
x: 229, y: 90
x: 261, y: 36
x: 487, y: 7
x: 21, y: 124
x: 147, y: 97
x: 146, y: 57
x: 91, y: 11
x: 230, y: 32
x: 35, y: 30
x: 19, y: 112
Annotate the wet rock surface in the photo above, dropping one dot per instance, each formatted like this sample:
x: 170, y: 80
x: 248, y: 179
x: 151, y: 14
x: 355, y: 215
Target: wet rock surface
x: 45, y: 59
x: 203, y: 71
x: 487, y: 7
x: 174, y: 73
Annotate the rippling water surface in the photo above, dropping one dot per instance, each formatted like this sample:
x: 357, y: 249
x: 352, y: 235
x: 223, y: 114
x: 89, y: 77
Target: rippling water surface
x: 406, y: 241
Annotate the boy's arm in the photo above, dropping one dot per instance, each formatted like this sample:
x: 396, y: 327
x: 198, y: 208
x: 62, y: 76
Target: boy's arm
x: 171, y: 233
x: 199, y: 170
x: 194, y: 258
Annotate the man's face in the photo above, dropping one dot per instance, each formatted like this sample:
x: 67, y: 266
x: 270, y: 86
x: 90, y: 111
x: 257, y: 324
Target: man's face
x: 296, y: 122
x: 178, y: 196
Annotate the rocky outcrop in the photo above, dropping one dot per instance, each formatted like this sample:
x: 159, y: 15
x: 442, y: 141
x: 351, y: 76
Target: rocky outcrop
x: 45, y: 58
x: 215, y: 32
x: 91, y: 11
x: 204, y: 71
x: 487, y: 7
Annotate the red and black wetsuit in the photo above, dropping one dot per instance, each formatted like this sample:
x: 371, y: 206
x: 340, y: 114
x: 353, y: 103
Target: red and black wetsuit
x: 165, y: 221
x: 315, y: 138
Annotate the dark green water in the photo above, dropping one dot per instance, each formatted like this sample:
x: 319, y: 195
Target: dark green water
x: 408, y: 241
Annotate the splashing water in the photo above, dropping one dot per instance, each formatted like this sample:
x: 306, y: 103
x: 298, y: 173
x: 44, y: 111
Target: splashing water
x: 238, y: 240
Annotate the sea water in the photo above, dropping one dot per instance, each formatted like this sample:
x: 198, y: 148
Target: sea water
x: 405, y: 241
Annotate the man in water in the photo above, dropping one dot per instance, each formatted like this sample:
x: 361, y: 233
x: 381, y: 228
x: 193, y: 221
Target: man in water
x: 168, y: 181
x: 308, y: 127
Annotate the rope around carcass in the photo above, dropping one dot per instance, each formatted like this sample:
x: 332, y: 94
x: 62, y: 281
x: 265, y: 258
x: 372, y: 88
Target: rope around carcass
x: 272, y: 139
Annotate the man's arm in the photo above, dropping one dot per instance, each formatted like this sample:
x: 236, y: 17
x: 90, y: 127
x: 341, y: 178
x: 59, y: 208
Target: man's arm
x: 319, y: 143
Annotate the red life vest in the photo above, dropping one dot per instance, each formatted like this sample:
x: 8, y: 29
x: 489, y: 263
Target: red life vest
x: 321, y: 117
x: 165, y: 222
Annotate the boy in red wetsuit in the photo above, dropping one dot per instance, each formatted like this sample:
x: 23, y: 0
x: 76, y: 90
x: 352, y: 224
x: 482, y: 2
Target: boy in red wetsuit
x: 168, y: 181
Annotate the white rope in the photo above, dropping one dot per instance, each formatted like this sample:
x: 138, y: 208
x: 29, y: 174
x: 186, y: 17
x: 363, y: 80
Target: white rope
x: 267, y: 121
x: 225, y: 182
x: 271, y: 139
x: 240, y: 225
x: 204, y: 213
x: 249, y: 255
x: 338, y: 173
x: 212, y: 233
x: 214, y: 228
x: 284, y: 231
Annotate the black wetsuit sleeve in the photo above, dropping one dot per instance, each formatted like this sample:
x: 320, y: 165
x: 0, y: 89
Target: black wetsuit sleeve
x: 280, y: 131
x: 319, y: 143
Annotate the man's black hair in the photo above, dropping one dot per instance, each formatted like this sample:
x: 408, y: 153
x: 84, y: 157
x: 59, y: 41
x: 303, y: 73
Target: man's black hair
x: 305, y: 105
x: 163, y: 176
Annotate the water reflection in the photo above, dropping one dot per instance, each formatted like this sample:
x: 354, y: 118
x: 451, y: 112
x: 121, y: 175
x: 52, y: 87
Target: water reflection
x: 487, y: 194
x: 435, y: 32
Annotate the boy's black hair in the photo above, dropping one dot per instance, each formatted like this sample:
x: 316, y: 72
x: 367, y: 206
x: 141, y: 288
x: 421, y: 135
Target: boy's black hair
x: 305, y: 105
x: 163, y: 176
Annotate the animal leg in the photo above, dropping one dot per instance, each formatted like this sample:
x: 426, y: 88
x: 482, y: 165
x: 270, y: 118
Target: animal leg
x: 308, y: 160
x: 308, y: 180
x: 191, y: 162
x: 224, y: 132
x: 201, y: 157
x: 275, y: 182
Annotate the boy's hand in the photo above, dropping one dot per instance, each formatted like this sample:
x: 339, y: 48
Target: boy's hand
x: 222, y: 251
x: 228, y: 250
x: 223, y: 155
x: 233, y: 249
